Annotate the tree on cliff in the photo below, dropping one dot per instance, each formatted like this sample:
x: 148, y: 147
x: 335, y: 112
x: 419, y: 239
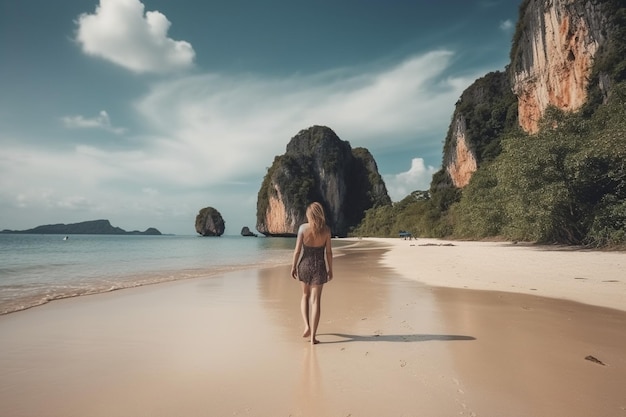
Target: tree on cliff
x: 318, y: 166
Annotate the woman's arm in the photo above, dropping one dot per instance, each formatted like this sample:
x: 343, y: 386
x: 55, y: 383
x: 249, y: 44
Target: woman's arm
x: 296, y: 253
x: 329, y: 256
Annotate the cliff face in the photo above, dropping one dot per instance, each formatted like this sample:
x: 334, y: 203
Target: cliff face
x: 552, y: 60
x: 485, y: 109
x: 318, y: 166
x: 461, y: 162
x: 556, y: 43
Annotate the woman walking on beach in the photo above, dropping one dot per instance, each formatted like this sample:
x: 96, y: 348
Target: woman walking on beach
x: 313, y: 266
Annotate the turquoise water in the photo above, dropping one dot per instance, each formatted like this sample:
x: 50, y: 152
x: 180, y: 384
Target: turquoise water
x: 35, y: 269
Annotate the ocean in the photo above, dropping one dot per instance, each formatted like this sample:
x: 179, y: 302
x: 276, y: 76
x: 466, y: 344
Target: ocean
x: 36, y: 269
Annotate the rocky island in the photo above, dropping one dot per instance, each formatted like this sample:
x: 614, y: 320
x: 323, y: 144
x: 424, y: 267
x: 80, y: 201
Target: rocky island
x: 246, y: 232
x: 92, y: 227
x: 209, y: 222
x: 319, y: 166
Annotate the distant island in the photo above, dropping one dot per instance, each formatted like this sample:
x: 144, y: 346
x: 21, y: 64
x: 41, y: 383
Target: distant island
x: 92, y: 227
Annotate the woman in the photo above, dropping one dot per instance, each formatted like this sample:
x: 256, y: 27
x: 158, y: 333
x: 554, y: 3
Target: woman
x: 313, y: 266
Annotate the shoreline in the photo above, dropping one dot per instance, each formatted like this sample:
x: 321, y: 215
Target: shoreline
x: 231, y: 344
x: 137, y: 280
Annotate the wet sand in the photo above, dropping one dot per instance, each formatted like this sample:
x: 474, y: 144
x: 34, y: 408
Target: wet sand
x: 390, y: 345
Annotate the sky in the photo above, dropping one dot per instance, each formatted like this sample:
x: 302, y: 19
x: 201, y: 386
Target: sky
x: 144, y: 112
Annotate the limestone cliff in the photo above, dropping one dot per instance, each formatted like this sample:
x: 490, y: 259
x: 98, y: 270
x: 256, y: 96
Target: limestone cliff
x: 318, y: 166
x: 563, y: 51
x: 462, y: 161
x: 483, y: 112
x: 553, y: 55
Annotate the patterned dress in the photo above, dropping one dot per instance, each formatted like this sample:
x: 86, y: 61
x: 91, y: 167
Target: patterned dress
x: 312, y: 266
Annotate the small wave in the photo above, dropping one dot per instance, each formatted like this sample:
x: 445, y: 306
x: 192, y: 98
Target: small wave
x: 23, y: 297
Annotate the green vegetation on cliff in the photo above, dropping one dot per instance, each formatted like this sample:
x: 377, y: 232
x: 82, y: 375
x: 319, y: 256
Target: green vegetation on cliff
x: 566, y: 184
x: 296, y: 178
x: 489, y: 108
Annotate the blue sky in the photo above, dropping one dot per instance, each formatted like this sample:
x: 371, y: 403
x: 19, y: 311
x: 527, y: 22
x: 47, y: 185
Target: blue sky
x: 144, y: 112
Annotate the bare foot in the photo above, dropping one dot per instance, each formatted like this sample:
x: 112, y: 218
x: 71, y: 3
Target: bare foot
x: 307, y: 333
x: 314, y: 341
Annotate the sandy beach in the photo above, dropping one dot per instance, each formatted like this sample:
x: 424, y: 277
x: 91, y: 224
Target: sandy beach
x: 587, y: 276
x: 408, y: 328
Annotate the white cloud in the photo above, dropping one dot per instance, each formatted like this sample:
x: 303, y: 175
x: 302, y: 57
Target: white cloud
x: 120, y: 32
x: 418, y: 177
x: 101, y: 121
x: 507, y: 25
x: 208, y: 139
x: 213, y: 128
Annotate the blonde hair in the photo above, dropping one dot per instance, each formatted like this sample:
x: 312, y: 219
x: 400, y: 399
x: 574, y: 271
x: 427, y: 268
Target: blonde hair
x: 316, y: 218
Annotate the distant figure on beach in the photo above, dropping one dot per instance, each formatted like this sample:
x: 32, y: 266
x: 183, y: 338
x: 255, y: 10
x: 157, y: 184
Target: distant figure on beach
x: 313, y: 266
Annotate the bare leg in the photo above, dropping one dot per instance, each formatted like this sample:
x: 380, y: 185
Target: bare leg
x: 304, y: 308
x: 316, y: 310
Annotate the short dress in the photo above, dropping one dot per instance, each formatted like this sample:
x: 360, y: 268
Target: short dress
x: 312, y: 266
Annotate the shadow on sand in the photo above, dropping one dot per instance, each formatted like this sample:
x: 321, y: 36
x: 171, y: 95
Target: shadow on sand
x: 396, y: 338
